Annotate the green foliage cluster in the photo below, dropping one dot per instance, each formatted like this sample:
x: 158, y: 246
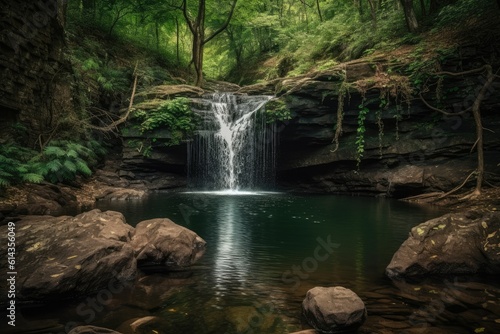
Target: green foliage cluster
x: 146, y: 25
x: 300, y: 35
x: 458, y: 12
x: 277, y: 110
x: 59, y: 161
x: 348, y: 35
x: 360, y: 136
x: 112, y: 79
x: 174, y: 116
x: 63, y: 160
x: 18, y: 164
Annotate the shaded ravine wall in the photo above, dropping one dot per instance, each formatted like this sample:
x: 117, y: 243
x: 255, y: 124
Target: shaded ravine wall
x: 423, y: 152
x: 35, y: 89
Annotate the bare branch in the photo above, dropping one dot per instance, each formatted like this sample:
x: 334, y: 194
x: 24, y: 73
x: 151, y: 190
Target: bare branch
x: 473, y: 146
x: 186, y: 16
x: 224, y: 26
x: 456, y: 74
x: 122, y: 119
x: 458, y: 187
x: 442, y: 111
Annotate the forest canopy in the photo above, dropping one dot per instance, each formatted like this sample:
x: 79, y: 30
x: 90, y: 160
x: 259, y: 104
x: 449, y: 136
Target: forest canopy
x: 229, y: 38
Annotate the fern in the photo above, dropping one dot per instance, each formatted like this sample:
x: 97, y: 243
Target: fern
x: 4, y: 182
x: 18, y: 165
x: 70, y: 166
x: 55, y: 151
x: 60, y: 160
x: 82, y: 167
x: 72, y: 153
x: 54, y: 166
x: 32, y: 178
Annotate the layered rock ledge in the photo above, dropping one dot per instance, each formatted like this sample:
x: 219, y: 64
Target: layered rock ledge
x: 66, y: 257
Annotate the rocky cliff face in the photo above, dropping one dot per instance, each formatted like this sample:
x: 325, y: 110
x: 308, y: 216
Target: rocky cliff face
x: 408, y: 147
x: 35, y: 90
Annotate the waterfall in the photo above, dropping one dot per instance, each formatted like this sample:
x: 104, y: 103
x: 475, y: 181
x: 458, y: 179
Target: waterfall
x: 234, y: 148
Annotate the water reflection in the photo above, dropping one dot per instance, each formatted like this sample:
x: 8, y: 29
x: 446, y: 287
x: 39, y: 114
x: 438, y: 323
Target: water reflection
x: 231, y: 262
x: 253, y: 240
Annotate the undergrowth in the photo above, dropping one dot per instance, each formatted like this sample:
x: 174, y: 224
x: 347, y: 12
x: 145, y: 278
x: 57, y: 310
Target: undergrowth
x: 59, y: 161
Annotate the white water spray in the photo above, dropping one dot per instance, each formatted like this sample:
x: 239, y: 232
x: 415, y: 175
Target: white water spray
x: 234, y: 148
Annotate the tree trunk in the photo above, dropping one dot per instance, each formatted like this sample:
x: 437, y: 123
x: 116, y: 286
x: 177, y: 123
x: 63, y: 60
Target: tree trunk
x: 157, y: 33
x: 434, y: 6
x: 319, y: 11
x: 197, y: 27
x: 373, y: 13
x: 476, y: 111
x: 422, y: 8
x: 177, y: 41
x: 410, y: 17
x: 88, y: 9
x: 198, y: 57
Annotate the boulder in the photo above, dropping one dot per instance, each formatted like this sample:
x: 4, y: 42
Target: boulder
x: 333, y: 309
x: 121, y: 194
x: 60, y: 257
x: 162, y: 242
x: 144, y: 325
x: 47, y: 199
x: 66, y: 257
x: 453, y: 244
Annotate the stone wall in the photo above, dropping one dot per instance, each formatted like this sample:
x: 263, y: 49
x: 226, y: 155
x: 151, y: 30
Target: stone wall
x: 35, y: 89
x: 424, y: 151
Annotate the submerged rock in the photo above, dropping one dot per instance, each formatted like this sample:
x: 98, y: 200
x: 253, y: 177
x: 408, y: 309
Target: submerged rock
x: 333, y: 309
x: 92, y: 330
x: 454, y: 244
x: 65, y: 257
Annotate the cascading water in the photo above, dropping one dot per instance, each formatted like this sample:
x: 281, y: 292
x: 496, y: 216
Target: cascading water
x: 234, y: 148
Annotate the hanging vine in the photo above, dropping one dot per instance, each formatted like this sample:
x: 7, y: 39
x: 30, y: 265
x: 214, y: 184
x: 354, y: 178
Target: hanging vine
x: 343, y: 93
x: 360, y: 133
x: 391, y: 87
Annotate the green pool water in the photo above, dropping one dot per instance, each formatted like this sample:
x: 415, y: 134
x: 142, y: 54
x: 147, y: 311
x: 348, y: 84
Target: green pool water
x: 264, y: 251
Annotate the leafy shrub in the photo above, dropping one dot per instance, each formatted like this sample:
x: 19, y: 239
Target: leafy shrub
x: 59, y: 161
x: 17, y: 164
x: 276, y: 110
x: 456, y: 14
x: 174, y: 115
x: 64, y: 160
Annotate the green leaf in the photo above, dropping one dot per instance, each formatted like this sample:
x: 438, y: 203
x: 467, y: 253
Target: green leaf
x: 70, y: 166
x: 4, y: 182
x: 32, y: 178
x: 54, y: 166
x: 54, y: 151
x: 82, y: 167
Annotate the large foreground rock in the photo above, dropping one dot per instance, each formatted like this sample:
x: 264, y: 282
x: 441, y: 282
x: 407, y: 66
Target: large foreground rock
x: 454, y: 244
x: 65, y: 257
x: 162, y: 242
x: 333, y: 310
